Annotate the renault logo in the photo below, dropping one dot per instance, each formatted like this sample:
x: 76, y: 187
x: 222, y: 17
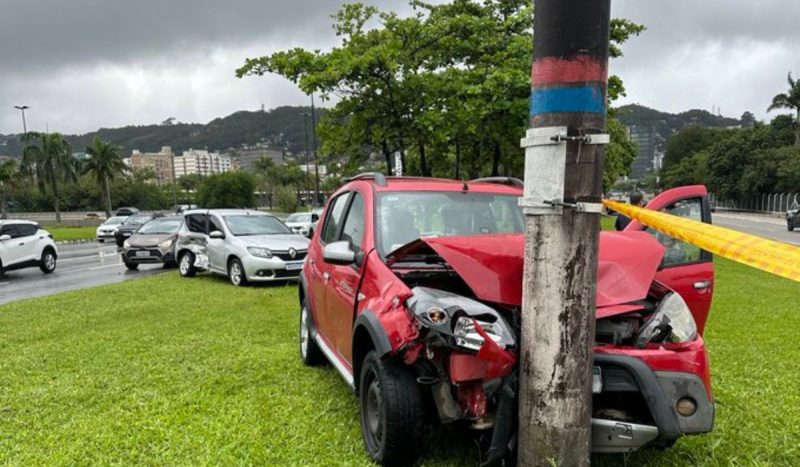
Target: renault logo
x: 292, y: 253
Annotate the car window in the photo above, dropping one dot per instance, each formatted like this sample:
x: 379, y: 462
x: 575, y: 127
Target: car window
x: 10, y: 229
x: 679, y: 252
x: 242, y: 225
x: 406, y: 216
x: 353, y: 230
x: 334, y: 218
x: 196, y: 223
x: 298, y: 218
x: 214, y: 224
x: 26, y: 230
x: 160, y: 226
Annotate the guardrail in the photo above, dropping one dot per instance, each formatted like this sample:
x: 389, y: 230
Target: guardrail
x: 73, y: 218
x: 767, y: 202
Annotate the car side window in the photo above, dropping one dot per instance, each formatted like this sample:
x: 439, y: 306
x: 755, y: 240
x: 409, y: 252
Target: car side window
x: 333, y: 219
x: 196, y: 223
x: 679, y: 252
x: 26, y: 230
x: 353, y: 230
x: 11, y: 230
x: 214, y: 224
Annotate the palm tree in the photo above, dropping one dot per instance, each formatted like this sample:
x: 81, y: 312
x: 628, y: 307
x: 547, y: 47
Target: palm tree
x: 7, y: 173
x: 790, y: 100
x: 48, y: 158
x: 106, y: 162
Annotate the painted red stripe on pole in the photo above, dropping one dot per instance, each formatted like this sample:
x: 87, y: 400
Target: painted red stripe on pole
x: 579, y: 69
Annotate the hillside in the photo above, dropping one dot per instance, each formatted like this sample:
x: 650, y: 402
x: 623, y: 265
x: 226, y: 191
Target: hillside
x: 667, y: 123
x: 282, y: 126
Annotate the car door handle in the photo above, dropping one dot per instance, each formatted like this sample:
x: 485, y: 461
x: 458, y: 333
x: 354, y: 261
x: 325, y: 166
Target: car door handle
x: 21, y: 243
x: 702, y: 285
x: 325, y: 277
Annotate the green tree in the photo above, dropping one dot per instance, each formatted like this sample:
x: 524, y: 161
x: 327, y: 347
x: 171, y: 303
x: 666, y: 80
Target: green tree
x: 105, y: 162
x: 7, y: 174
x: 286, y: 199
x: 227, y: 190
x: 690, y: 170
x: 47, y: 157
x: 689, y: 141
x: 789, y: 100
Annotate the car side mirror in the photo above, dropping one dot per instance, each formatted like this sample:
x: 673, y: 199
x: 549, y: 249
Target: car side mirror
x: 339, y: 253
x: 5, y: 237
x: 314, y: 218
x: 216, y: 234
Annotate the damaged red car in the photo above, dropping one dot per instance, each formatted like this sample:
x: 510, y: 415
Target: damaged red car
x: 412, y: 290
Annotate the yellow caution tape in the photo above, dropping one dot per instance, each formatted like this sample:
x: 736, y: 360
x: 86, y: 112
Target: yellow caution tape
x: 771, y: 256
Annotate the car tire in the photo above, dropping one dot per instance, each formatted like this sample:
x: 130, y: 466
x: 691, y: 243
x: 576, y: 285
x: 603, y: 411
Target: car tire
x: 131, y: 266
x: 47, y: 263
x: 186, y: 264
x: 391, y: 409
x: 310, y: 353
x: 100, y: 240
x: 789, y: 225
x: 236, y: 272
x: 120, y: 243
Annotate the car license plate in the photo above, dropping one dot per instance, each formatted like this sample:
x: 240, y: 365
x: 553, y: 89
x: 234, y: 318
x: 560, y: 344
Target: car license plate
x: 141, y: 253
x: 597, y: 380
x: 126, y: 234
x: 294, y: 266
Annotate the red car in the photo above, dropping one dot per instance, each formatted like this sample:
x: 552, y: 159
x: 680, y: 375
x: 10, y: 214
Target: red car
x: 412, y: 291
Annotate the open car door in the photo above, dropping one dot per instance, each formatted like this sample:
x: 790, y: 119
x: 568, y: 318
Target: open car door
x: 685, y: 268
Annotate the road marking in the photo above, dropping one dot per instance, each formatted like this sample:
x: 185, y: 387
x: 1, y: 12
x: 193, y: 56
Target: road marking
x: 103, y: 267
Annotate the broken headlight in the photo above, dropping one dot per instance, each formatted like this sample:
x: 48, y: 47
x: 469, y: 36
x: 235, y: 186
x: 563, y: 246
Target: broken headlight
x: 671, y: 322
x: 453, y: 317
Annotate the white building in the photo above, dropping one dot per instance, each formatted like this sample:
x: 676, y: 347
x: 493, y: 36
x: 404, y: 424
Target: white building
x: 201, y: 162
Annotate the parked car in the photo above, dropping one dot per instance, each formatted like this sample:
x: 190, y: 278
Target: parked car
x: 107, y: 229
x: 23, y: 244
x: 792, y: 218
x: 247, y: 246
x: 302, y: 223
x: 412, y: 291
x: 131, y: 225
x: 126, y: 211
x: 93, y: 216
x: 153, y: 243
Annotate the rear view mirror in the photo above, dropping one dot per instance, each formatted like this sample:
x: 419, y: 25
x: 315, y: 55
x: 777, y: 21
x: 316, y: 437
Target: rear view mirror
x: 216, y: 234
x: 339, y: 253
x: 5, y: 237
x: 314, y: 218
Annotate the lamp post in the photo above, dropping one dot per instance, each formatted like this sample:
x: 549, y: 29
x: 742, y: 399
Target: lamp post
x: 22, y: 108
x: 316, y: 164
x: 305, y: 139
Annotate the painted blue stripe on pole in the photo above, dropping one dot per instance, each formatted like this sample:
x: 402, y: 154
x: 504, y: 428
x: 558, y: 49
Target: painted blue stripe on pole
x: 583, y: 99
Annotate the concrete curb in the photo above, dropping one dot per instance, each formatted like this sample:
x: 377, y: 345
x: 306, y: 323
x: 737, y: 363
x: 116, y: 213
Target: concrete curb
x: 75, y: 242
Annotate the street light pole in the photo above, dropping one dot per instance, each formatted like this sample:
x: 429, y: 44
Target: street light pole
x: 308, y: 179
x: 564, y: 153
x: 316, y: 163
x: 22, y: 108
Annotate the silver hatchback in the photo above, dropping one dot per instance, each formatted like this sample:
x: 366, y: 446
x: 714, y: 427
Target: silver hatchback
x: 247, y: 246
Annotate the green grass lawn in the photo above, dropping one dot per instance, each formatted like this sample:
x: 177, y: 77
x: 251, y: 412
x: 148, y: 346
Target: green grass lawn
x: 65, y: 232
x: 173, y: 371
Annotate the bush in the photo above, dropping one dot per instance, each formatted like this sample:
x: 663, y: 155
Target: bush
x: 286, y: 199
x: 227, y: 190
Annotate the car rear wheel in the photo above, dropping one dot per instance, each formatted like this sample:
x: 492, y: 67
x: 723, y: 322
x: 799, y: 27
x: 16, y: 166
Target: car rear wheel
x: 186, y: 265
x: 236, y: 273
x: 789, y: 225
x: 131, y: 266
x: 48, y: 262
x: 391, y: 411
x: 310, y: 352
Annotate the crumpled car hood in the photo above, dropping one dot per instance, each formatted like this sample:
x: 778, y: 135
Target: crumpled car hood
x: 491, y: 265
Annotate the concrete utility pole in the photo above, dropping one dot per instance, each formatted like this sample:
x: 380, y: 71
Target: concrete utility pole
x: 22, y: 108
x: 305, y: 139
x: 563, y: 186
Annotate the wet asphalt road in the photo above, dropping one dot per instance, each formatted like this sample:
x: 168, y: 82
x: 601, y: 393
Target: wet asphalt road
x: 770, y: 227
x: 79, y: 266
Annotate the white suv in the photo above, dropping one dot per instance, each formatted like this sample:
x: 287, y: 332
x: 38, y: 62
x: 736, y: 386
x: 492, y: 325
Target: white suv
x: 23, y: 244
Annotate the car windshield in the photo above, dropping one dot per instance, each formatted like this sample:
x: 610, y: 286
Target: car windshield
x: 115, y: 220
x: 255, y: 225
x: 139, y: 219
x: 406, y: 216
x: 161, y: 226
x: 300, y: 217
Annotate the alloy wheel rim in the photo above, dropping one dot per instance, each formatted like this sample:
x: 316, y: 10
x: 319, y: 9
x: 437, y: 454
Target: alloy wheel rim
x: 50, y: 261
x: 185, y: 264
x: 236, y: 273
x: 304, y: 334
x: 374, y: 406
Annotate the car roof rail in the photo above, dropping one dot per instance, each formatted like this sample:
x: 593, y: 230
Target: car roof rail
x: 510, y: 181
x: 379, y: 178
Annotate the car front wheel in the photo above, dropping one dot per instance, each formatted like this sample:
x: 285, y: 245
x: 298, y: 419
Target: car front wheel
x: 789, y: 225
x: 236, y: 273
x: 186, y: 265
x: 48, y: 262
x: 391, y: 411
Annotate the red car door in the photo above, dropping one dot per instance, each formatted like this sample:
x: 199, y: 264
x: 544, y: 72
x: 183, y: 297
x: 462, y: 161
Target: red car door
x: 320, y: 272
x: 685, y: 268
x: 341, y: 295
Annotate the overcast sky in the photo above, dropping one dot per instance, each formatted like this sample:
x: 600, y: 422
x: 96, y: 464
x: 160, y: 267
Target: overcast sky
x: 85, y: 64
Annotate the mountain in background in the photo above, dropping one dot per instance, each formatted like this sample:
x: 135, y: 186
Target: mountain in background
x: 281, y: 128
x: 666, y: 123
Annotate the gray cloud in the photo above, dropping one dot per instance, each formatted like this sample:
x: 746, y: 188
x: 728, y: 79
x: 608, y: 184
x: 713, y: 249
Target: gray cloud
x: 82, y: 64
